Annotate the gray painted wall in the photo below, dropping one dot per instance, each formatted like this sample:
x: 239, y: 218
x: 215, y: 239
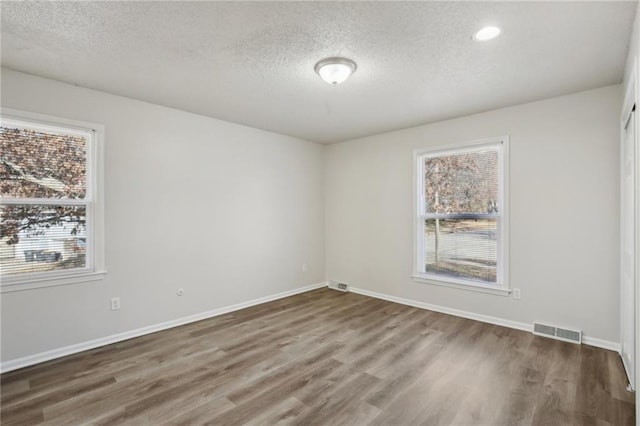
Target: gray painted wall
x: 564, y: 211
x: 261, y: 204
x: 227, y: 212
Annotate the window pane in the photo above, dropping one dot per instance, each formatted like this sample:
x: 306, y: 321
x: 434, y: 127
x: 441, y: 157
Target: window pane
x: 461, y: 248
x: 41, y: 238
x: 36, y: 164
x: 462, y: 183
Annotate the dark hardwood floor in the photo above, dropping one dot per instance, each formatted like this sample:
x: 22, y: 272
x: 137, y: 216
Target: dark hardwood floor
x: 326, y: 358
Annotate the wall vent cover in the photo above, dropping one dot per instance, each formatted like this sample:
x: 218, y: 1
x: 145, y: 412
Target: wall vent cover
x: 565, y: 334
x: 339, y: 286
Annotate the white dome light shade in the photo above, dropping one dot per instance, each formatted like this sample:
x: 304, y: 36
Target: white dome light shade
x: 335, y: 70
x: 487, y: 33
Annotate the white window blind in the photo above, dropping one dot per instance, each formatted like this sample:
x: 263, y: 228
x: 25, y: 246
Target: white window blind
x: 460, y: 217
x: 47, y: 199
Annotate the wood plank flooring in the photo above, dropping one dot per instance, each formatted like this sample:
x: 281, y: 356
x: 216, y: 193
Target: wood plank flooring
x: 326, y: 358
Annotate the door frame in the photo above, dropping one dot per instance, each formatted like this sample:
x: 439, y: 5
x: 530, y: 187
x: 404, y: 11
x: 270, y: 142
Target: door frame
x: 630, y: 102
x: 631, y: 98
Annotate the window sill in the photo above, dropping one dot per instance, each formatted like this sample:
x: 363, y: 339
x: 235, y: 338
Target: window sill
x: 480, y: 288
x: 8, y: 287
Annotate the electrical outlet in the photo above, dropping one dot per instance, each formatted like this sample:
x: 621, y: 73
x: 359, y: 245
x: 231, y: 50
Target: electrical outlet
x: 180, y: 291
x: 115, y: 303
x: 516, y: 293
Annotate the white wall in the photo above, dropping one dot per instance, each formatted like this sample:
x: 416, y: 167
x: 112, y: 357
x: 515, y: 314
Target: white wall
x: 634, y: 47
x: 632, y: 59
x: 564, y: 211
x: 227, y: 212
x: 252, y: 206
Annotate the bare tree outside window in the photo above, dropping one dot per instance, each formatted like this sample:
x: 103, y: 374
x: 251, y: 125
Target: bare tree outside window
x: 461, y: 201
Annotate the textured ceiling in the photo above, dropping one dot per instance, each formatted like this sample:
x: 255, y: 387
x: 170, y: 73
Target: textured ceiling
x: 252, y: 62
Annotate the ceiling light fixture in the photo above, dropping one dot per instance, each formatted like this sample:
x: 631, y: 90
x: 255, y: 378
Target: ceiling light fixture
x: 335, y: 70
x: 487, y: 33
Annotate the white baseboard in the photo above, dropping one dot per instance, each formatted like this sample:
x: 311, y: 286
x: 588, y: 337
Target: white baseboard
x: 115, y: 338
x: 26, y: 361
x: 591, y: 341
x: 600, y: 343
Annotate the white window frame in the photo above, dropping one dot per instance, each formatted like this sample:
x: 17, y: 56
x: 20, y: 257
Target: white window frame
x: 94, y: 202
x: 501, y: 287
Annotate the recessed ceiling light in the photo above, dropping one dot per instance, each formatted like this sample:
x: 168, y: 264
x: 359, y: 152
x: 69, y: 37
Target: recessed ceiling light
x: 487, y: 33
x: 335, y: 70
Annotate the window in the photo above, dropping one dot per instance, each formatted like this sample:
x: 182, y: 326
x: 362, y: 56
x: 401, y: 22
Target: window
x: 461, y: 218
x: 50, y: 215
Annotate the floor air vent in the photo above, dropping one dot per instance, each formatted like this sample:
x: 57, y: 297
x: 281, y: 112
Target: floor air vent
x: 338, y: 286
x: 573, y: 336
